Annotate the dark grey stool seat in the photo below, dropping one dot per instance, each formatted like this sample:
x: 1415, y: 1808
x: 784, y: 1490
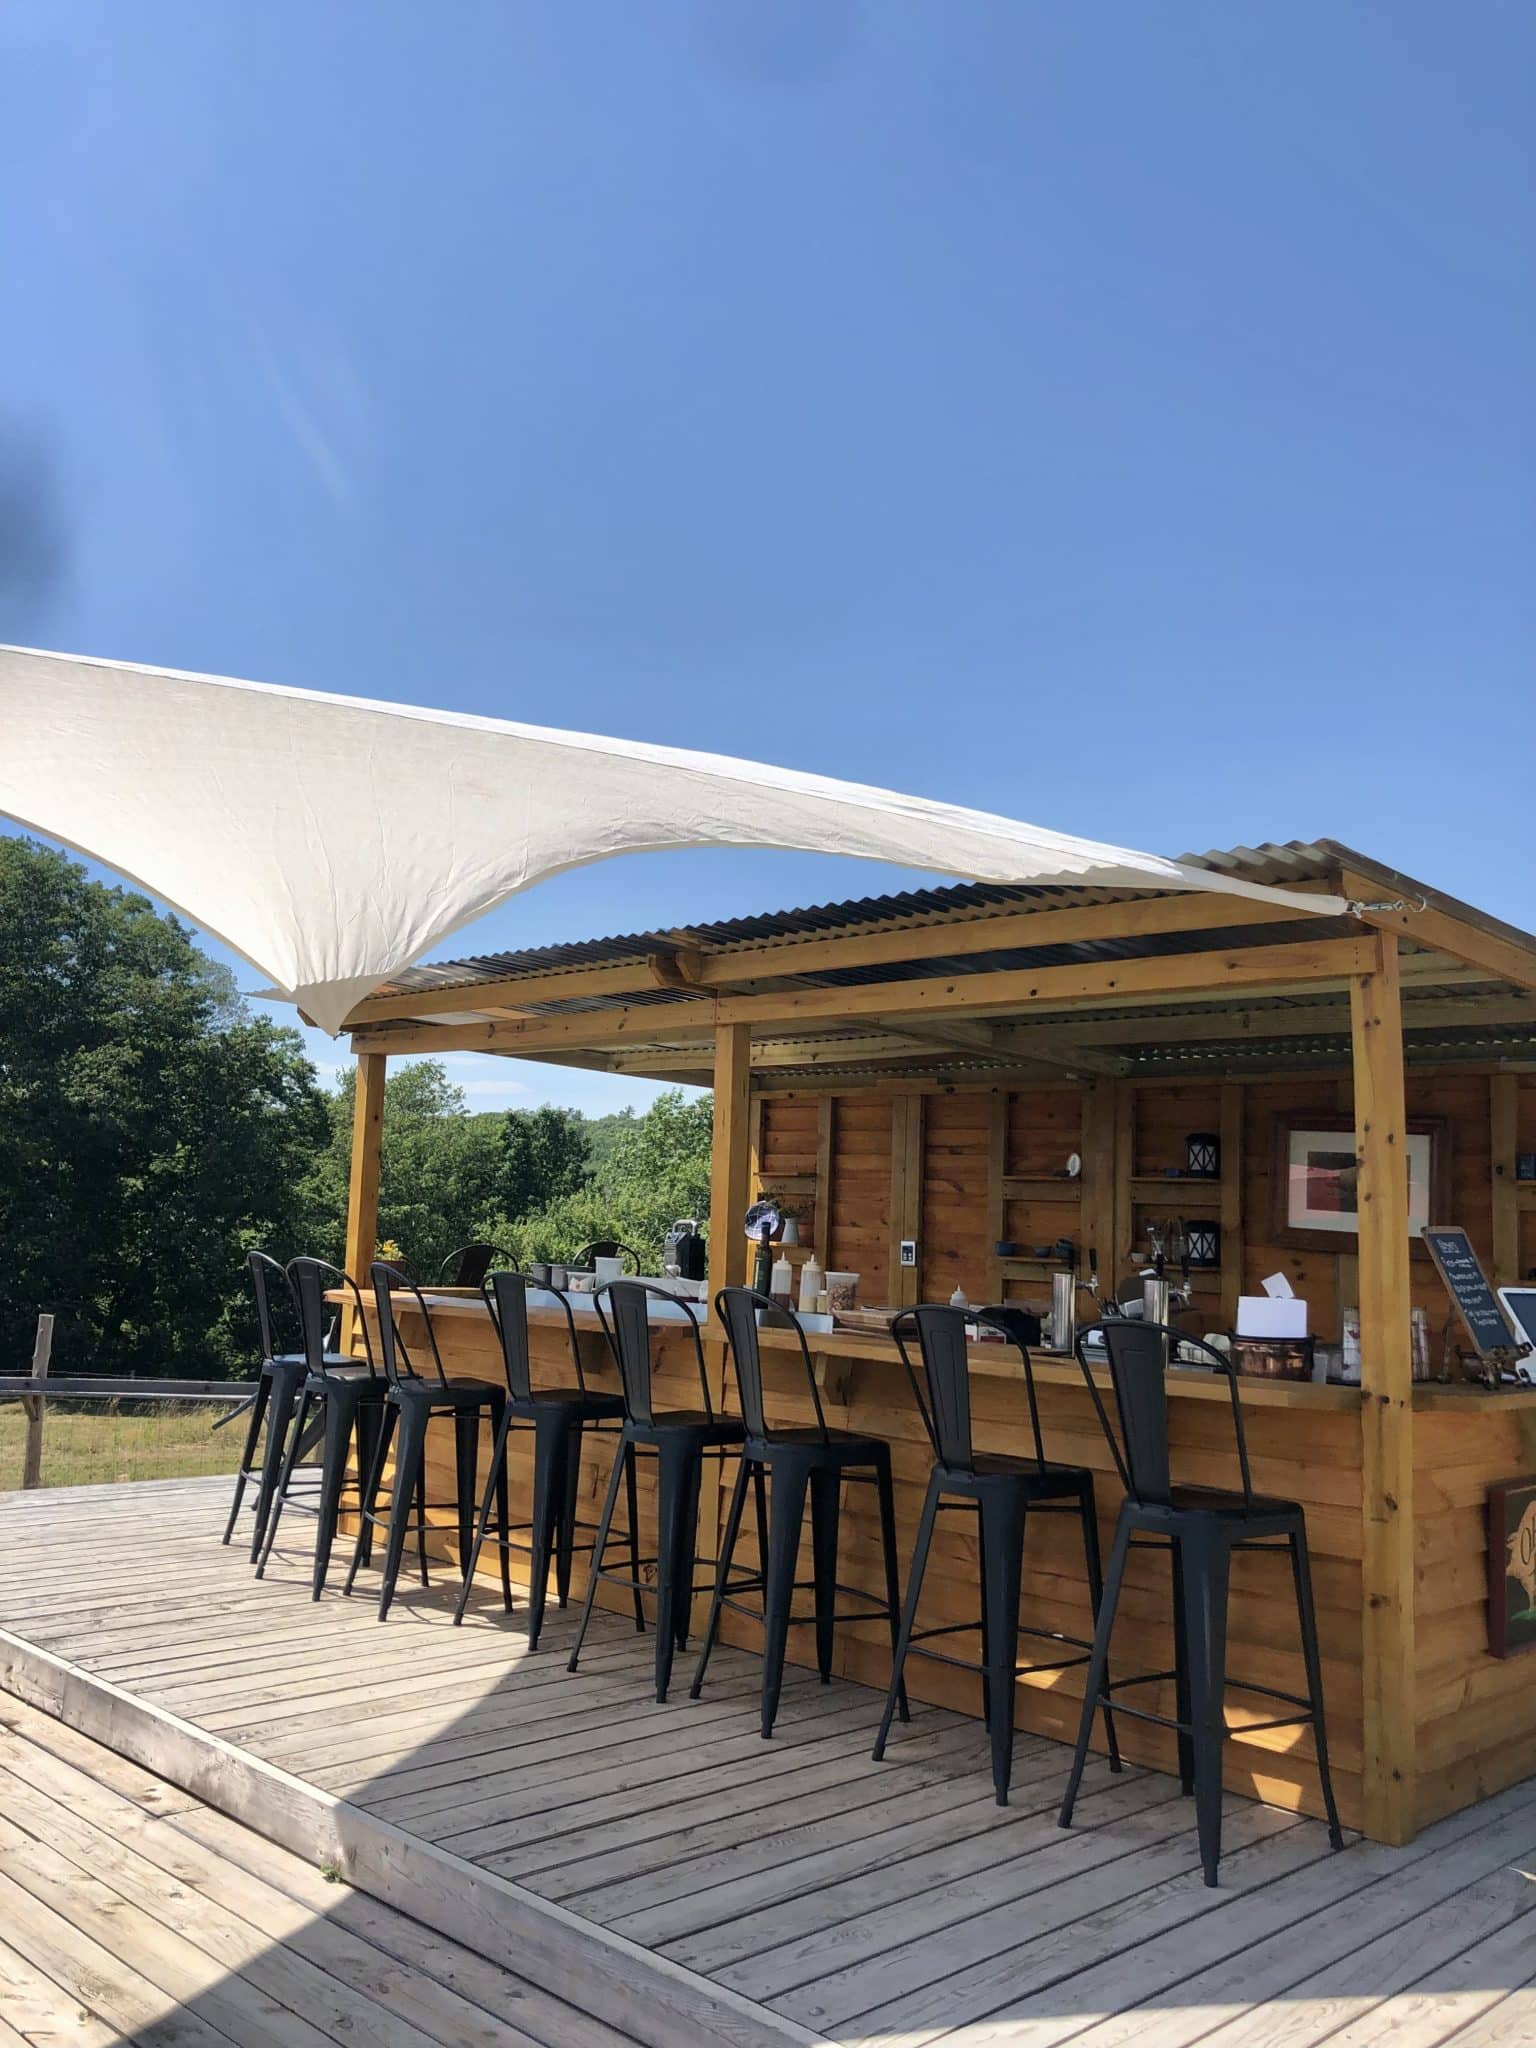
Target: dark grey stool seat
x: 412, y: 1399
x: 559, y: 1418
x: 795, y: 1462
x: 1004, y: 1490
x: 1202, y: 1527
x: 279, y: 1384
x: 681, y: 1442
x: 340, y: 1402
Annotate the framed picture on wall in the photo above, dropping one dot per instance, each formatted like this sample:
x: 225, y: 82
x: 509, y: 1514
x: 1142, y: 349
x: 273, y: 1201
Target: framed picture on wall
x: 1315, y: 1182
x: 1512, y: 1567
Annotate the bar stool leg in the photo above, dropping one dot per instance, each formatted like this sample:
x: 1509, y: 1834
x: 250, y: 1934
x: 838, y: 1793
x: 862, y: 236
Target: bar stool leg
x: 986, y: 1631
x: 493, y: 1480
x: 760, y: 1504
x: 368, y: 1504
x: 909, y: 1611
x: 1090, y: 1521
x: 826, y: 1504
x: 1204, y: 1569
x: 503, y: 1530
x: 466, y: 1459
x: 1002, y: 1568
x: 887, y: 1501
x: 722, y: 1573
x: 632, y: 1510
x: 1098, y: 1666
x: 1301, y: 1572
x: 621, y: 1465
x: 410, y: 1467
x: 676, y: 1488
x: 1181, y: 1676
x: 259, y: 1403
x: 370, y: 1421
x: 786, y: 1513
x: 570, y: 1494
x: 421, y: 1512
x: 340, y: 1416
x: 688, y: 1559
x: 285, y: 1398
x: 549, y: 1480
x: 285, y: 1480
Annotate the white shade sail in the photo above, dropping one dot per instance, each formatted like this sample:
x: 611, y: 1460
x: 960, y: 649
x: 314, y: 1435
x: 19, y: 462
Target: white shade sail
x: 332, y: 840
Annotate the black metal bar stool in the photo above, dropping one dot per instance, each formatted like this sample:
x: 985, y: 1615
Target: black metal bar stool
x: 1004, y: 1490
x: 468, y: 1266
x: 411, y: 1401
x: 680, y: 1440
x: 817, y: 1460
x: 1202, y: 1526
x: 276, y: 1394
x: 341, y: 1401
x: 558, y: 1417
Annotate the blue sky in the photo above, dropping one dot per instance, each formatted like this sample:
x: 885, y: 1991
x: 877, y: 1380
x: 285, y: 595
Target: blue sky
x: 1119, y: 417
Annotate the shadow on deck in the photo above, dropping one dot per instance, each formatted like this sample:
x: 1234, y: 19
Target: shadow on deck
x: 679, y: 1880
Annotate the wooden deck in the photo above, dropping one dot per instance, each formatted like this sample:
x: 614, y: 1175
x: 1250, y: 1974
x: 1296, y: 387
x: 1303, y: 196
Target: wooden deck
x: 679, y: 1879
x: 133, y: 1913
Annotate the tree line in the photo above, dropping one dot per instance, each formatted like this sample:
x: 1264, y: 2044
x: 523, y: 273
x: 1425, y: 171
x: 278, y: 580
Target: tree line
x: 153, y: 1131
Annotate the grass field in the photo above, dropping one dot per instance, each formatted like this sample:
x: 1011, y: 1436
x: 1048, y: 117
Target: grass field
x: 162, y: 1442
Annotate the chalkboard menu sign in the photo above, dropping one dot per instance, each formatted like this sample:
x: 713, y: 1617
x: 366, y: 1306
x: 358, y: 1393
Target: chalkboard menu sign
x: 1461, y: 1270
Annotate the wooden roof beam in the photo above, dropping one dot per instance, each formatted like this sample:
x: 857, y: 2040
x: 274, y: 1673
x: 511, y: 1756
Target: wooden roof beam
x: 1500, y: 959
x: 1112, y: 981
x: 878, y: 946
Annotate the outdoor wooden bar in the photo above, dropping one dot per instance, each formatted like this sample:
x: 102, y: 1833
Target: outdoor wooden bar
x: 943, y: 1108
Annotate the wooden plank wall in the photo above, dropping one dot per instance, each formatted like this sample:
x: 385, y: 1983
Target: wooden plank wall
x: 1127, y: 1134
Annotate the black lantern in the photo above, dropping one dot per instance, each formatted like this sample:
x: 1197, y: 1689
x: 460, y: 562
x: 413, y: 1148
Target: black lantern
x: 1204, y: 1243
x: 1204, y: 1155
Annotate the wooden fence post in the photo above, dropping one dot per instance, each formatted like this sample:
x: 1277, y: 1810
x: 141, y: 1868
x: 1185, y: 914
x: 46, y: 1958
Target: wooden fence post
x: 32, y: 1457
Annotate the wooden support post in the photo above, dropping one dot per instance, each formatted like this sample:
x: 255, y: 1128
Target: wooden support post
x: 32, y: 1455
x: 730, y: 1169
x: 1100, y: 1110
x: 1386, y: 1386
x: 1231, y: 1201
x: 826, y: 1139
x: 1504, y: 1110
x: 906, y: 1193
x: 997, y: 1206
x: 363, y: 1180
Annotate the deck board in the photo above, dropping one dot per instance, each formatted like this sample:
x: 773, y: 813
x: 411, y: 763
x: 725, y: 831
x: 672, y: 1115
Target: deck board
x: 866, y: 1904
x: 128, y: 1909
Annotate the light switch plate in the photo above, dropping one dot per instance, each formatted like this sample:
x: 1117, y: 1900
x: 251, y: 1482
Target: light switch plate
x: 909, y: 1251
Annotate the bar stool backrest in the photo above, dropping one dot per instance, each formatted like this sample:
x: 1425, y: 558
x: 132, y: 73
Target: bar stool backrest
x: 268, y: 1276
x: 1138, y: 1364
x: 310, y: 1279
x: 388, y: 1282
x: 468, y: 1266
x: 943, y: 1338
x: 605, y: 1248
x: 738, y: 1309
x: 626, y: 1324
x: 506, y: 1296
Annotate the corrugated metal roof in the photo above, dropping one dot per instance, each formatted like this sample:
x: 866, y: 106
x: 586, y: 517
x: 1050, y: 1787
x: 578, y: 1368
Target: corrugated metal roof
x: 1299, y: 861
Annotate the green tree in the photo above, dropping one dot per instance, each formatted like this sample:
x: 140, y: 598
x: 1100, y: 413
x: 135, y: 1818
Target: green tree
x: 151, y: 1131
x: 439, y: 1170
x: 545, y: 1156
x: 654, y: 1168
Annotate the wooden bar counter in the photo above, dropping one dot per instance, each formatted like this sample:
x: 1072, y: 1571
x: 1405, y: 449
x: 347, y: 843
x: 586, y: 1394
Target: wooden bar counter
x: 1305, y: 1443
x: 947, y: 1086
